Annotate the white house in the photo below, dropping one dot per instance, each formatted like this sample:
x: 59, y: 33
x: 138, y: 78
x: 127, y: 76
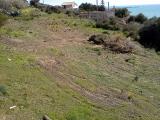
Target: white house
x: 69, y: 5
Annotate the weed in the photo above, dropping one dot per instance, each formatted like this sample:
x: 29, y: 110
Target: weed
x: 3, y: 90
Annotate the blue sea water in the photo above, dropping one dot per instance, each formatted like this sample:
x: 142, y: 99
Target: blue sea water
x: 148, y: 10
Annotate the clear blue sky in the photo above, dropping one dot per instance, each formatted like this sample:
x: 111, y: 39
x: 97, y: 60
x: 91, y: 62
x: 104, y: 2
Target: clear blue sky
x: 112, y: 2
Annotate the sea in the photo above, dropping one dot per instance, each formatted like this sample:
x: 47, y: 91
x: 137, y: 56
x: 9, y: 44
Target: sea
x: 148, y: 10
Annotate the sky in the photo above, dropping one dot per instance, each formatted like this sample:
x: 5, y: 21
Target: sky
x: 112, y: 2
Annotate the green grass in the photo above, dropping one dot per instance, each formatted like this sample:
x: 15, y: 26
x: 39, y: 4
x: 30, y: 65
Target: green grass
x: 37, y: 91
x: 11, y: 33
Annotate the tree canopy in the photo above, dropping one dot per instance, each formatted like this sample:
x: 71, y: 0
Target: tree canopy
x: 90, y: 7
x: 121, y: 12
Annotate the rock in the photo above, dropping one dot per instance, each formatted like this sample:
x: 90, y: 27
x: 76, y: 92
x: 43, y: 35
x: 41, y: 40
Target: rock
x: 14, y: 13
x: 97, y: 39
x: 45, y: 117
x: 12, y: 107
x: 9, y: 59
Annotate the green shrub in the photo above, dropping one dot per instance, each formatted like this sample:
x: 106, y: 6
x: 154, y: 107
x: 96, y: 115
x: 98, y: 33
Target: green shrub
x: 88, y: 23
x: 30, y: 13
x: 3, y: 90
x: 72, y: 12
x: 150, y: 34
x: 131, y: 29
x: 109, y: 24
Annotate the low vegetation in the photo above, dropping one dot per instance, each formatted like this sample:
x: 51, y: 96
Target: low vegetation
x: 131, y: 30
x: 48, y: 69
x: 30, y: 13
x: 110, y: 24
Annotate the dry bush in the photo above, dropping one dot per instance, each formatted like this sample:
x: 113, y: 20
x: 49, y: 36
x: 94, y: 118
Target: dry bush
x: 117, y: 44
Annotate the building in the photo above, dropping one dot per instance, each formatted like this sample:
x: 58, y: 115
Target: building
x: 69, y: 5
x: 97, y: 15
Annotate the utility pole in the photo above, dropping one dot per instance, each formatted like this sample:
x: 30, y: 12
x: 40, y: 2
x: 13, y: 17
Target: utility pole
x: 102, y: 3
x: 108, y: 6
x: 97, y: 4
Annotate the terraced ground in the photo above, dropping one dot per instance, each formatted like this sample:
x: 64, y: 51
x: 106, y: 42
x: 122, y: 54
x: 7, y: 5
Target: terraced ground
x: 47, y: 67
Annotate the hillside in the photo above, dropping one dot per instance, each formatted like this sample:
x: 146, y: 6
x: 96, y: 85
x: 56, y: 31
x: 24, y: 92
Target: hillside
x: 47, y: 67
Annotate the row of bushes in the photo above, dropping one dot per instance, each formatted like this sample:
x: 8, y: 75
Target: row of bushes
x: 140, y: 18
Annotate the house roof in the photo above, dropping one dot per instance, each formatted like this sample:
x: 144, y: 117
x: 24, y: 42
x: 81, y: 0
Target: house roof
x: 69, y: 3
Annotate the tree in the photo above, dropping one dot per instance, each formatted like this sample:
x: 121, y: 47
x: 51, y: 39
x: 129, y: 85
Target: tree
x: 102, y: 3
x: 90, y: 7
x: 140, y: 18
x: 101, y: 8
x: 34, y: 2
x: 131, y: 19
x: 121, y: 12
x: 87, y: 7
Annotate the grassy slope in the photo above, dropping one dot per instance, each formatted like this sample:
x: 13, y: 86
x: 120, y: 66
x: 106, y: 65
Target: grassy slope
x: 87, y: 82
